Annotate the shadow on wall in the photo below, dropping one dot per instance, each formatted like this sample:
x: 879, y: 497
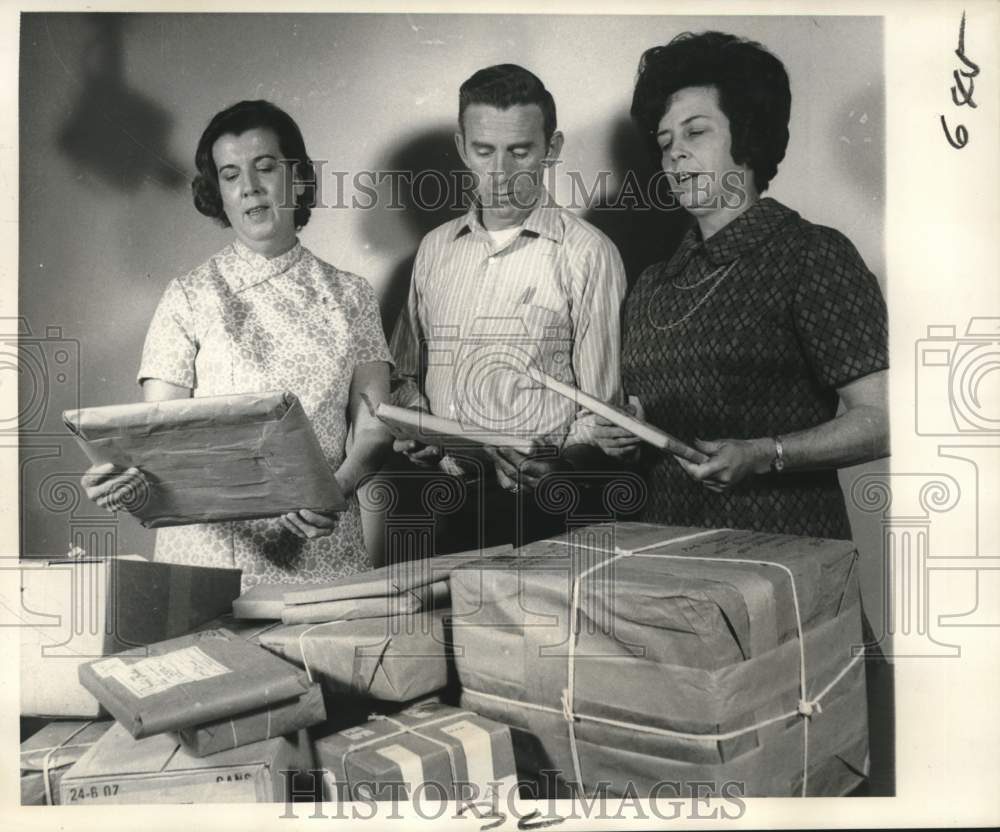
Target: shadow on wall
x: 860, y: 131
x: 421, y: 187
x: 113, y: 132
x: 636, y: 216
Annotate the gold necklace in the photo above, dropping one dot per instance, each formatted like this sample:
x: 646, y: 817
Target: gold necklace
x: 725, y: 270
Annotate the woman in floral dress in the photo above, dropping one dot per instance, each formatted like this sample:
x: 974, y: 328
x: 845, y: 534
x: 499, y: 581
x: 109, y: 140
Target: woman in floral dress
x: 266, y: 314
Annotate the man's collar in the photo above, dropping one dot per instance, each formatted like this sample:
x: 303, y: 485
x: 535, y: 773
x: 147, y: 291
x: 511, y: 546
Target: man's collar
x: 544, y: 220
x: 745, y: 233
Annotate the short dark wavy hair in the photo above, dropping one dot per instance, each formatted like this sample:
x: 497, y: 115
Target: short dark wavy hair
x: 504, y: 86
x: 236, y: 120
x: 753, y: 93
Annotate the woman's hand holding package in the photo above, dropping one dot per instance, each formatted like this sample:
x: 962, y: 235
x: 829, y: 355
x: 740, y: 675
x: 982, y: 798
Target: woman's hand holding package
x: 114, y: 488
x: 730, y: 461
x: 309, y: 524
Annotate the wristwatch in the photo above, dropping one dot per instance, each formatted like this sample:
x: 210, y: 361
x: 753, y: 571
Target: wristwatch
x: 778, y: 463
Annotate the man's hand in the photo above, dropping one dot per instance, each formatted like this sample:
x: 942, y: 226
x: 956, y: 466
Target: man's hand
x: 309, y: 524
x: 730, y: 462
x: 615, y: 441
x: 517, y: 471
x: 423, y: 456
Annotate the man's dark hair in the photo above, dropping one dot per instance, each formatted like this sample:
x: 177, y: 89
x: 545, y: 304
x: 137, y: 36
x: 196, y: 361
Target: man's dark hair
x: 753, y: 93
x: 504, y: 86
x: 236, y: 120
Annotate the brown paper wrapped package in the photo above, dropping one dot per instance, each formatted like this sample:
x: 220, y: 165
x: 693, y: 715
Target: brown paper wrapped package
x: 395, y: 659
x: 256, y: 725
x: 123, y: 770
x: 198, y: 678
x: 212, y: 458
x: 430, y: 747
x: 125, y: 601
x: 674, y: 651
x: 47, y: 755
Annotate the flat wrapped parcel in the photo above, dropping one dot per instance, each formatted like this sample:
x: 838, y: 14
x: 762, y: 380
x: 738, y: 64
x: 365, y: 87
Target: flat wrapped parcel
x: 635, y: 654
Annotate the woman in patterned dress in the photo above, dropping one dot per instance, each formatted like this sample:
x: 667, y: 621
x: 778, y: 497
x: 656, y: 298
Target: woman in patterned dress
x: 266, y: 314
x: 748, y: 340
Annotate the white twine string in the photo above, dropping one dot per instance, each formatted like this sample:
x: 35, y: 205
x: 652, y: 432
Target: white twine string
x: 302, y: 644
x: 406, y: 729
x: 47, y: 760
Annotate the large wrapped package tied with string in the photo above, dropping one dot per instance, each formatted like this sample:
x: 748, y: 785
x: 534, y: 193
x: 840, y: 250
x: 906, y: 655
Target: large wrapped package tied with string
x: 637, y: 655
x: 428, y: 751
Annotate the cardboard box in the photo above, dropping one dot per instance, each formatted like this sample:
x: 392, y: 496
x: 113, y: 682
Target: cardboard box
x: 442, y: 751
x: 397, y: 658
x: 77, y: 610
x: 191, y: 680
x: 120, y: 769
x: 47, y: 755
x: 212, y: 458
x: 260, y: 724
x: 694, y: 639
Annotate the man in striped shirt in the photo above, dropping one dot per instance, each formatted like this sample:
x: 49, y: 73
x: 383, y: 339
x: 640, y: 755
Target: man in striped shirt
x: 517, y: 282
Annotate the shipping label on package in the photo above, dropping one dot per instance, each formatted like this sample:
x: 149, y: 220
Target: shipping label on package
x: 159, y: 673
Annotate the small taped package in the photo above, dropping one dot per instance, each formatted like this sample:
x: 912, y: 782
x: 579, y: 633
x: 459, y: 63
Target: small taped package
x: 429, y: 751
x: 212, y: 458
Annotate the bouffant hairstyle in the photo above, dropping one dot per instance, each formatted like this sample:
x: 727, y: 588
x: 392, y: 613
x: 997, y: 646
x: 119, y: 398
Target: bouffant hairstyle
x: 753, y: 93
x: 504, y: 86
x: 236, y: 120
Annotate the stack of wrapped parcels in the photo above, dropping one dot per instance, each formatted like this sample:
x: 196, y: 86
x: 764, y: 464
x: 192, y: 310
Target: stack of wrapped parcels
x: 640, y: 656
x: 635, y: 654
x: 255, y: 710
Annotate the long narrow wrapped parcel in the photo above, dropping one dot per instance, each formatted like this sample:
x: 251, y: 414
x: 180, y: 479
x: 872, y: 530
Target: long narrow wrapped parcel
x: 638, y: 655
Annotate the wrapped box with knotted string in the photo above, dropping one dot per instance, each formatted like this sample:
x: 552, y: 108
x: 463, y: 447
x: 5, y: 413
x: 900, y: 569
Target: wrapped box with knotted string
x: 678, y: 660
